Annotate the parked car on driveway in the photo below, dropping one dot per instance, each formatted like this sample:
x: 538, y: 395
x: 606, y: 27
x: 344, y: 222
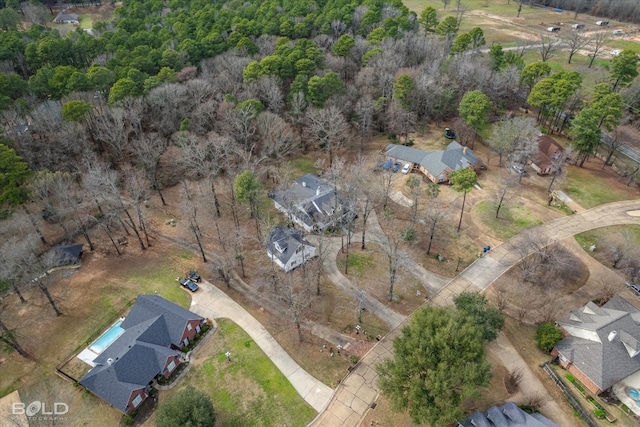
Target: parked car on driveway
x: 396, y: 167
x: 406, y: 168
x: 449, y: 134
x: 387, y: 165
x: 520, y: 169
x: 189, y: 284
x: 193, y: 275
x: 635, y: 288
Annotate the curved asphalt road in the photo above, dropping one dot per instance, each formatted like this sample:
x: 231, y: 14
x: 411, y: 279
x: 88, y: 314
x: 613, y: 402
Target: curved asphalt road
x: 358, y: 391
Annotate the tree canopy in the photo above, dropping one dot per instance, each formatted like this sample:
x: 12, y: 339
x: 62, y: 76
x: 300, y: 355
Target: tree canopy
x: 439, y: 361
x: 189, y: 407
x: 487, y: 317
x: 14, y: 172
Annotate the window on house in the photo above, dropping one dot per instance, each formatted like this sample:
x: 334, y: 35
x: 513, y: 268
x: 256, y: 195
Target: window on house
x: 186, y: 341
x: 198, y: 329
x: 171, y: 366
x: 137, y: 401
x: 189, y: 327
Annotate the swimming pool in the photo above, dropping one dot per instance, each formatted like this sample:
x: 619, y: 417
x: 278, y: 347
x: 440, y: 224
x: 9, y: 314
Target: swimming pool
x: 107, y: 338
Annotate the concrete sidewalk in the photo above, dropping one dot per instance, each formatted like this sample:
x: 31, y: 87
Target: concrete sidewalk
x: 358, y: 391
x: 211, y: 302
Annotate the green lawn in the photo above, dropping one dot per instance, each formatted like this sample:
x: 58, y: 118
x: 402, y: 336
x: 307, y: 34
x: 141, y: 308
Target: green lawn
x: 599, y: 236
x: 589, y: 191
x: 513, y: 219
x: 86, y: 21
x: 161, y: 279
x: 302, y: 166
x: 249, y: 390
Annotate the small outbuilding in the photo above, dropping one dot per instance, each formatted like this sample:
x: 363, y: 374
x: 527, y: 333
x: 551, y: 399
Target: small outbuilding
x: 67, y: 18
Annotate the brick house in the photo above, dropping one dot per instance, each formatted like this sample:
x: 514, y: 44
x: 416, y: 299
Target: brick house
x: 435, y: 165
x: 155, y: 330
x: 548, y: 150
x: 602, y: 344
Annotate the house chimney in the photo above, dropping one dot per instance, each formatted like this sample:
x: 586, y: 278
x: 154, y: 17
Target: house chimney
x: 318, y: 191
x: 109, y: 361
x: 464, y: 150
x: 612, y: 336
x: 304, y: 184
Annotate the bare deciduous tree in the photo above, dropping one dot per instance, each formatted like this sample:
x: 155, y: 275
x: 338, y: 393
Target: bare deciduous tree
x: 598, y: 43
x: 148, y: 150
x: 189, y: 207
x: 327, y: 128
x: 277, y: 138
x: 575, y: 42
x: 548, y: 47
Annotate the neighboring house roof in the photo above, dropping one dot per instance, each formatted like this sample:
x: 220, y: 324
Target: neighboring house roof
x: 454, y: 157
x: 63, y: 17
x: 507, y: 415
x: 310, y: 199
x: 133, y: 360
x: 604, y: 341
x: 548, y: 148
x: 68, y: 254
x: 283, y: 243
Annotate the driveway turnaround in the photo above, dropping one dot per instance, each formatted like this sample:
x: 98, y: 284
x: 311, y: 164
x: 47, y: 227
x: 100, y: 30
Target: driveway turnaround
x: 358, y: 392
x: 211, y: 302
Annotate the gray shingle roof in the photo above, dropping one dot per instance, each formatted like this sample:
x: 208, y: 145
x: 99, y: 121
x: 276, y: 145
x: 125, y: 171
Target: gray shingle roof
x: 150, y: 306
x: 605, y: 341
x: 133, y: 360
x: 310, y: 199
x: 507, y: 415
x: 454, y: 157
x: 283, y: 242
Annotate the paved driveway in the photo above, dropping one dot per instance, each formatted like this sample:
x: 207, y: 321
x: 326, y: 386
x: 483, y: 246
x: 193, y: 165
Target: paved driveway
x: 212, y: 303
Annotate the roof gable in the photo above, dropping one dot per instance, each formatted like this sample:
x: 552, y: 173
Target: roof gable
x: 283, y: 242
x: 151, y: 306
x: 507, y: 415
x: 141, y: 352
x: 310, y: 199
x: 616, y: 355
x: 454, y: 157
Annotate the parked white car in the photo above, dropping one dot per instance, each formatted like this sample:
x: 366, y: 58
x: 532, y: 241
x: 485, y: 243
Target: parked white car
x: 406, y: 168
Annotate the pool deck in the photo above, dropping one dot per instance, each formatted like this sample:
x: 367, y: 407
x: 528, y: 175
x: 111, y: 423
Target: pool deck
x: 88, y: 355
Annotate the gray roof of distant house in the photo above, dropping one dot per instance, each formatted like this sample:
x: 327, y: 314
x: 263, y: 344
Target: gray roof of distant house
x: 507, y: 415
x: 605, y: 362
x: 310, y: 199
x: 139, y: 354
x: 454, y: 157
x: 288, y: 239
x: 66, y: 17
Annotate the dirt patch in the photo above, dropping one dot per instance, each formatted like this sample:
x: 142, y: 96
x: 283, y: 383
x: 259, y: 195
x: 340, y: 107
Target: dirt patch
x: 372, y: 276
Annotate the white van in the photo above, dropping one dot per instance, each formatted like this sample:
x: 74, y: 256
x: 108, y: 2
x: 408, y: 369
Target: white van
x: 602, y: 23
x: 553, y: 29
x: 618, y: 32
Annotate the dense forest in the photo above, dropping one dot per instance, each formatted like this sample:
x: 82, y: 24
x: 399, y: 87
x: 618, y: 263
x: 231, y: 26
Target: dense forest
x: 256, y: 81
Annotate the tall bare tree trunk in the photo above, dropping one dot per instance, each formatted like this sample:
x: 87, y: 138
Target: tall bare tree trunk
x: 46, y: 293
x: 33, y: 223
x: 9, y: 338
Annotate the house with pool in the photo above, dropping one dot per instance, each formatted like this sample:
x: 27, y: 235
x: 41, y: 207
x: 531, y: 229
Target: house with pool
x: 136, y: 350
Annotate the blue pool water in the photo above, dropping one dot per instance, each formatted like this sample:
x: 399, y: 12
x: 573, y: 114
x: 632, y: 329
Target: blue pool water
x: 107, y: 338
